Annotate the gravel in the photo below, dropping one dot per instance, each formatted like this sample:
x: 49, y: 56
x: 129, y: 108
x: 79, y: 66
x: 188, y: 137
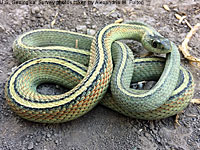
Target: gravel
x: 2, y: 28
x: 81, y: 28
x: 101, y: 128
x: 91, y: 32
x: 30, y: 146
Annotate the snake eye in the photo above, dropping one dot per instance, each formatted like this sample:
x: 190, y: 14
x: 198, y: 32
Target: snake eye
x: 154, y: 44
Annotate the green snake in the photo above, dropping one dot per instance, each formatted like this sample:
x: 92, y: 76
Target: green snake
x: 87, y: 65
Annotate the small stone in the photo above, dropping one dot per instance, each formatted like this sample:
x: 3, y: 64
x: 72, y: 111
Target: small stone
x: 14, y: 68
x: 166, y: 7
x: 23, y: 29
x: 2, y: 28
x: 97, y: 15
x: 56, y: 142
x: 94, y: 26
x: 4, y: 40
x: 176, y: 9
x: 35, y: 10
x: 38, y: 139
x: 30, y: 145
x: 114, y: 15
x: 84, y: 15
x: 48, y: 135
x: 33, y: 18
x: 73, y: 30
x: 41, y: 20
x: 81, y: 28
x: 91, y: 32
x: 87, y: 22
x: 39, y: 15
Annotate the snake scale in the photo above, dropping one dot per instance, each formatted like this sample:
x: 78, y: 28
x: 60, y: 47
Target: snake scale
x: 87, y: 65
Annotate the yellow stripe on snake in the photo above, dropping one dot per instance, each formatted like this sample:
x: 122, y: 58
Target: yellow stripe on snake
x: 87, y: 65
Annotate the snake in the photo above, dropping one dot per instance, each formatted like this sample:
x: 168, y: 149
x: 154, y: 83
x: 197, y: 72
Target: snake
x: 97, y: 69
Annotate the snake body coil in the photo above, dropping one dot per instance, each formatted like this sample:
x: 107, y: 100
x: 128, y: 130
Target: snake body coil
x: 65, y: 58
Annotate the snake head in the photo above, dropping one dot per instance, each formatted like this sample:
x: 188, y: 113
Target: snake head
x: 157, y: 44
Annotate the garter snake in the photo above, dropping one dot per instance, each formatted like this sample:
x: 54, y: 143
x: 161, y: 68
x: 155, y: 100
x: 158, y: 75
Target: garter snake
x: 84, y: 65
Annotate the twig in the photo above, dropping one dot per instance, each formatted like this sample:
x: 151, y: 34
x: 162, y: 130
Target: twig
x: 180, y: 18
x: 176, y: 120
x: 184, y: 46
x: 195, y: 101
x: 191, y: 115
x: 188, y: 24
x: 119, y: 20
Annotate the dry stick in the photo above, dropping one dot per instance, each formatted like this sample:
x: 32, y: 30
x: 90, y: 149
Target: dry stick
x: 119, y: 20
x: 195, y: 101
x: 176, y: 120
x: 180, y: 18
x: 184, y: 49
x: 188, y: 24
x: 184, y: 46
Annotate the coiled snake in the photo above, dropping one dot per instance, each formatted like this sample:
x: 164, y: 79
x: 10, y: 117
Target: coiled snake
x: 84, y: 65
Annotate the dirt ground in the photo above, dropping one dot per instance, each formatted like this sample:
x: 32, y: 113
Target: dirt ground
x: 101, y: 128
